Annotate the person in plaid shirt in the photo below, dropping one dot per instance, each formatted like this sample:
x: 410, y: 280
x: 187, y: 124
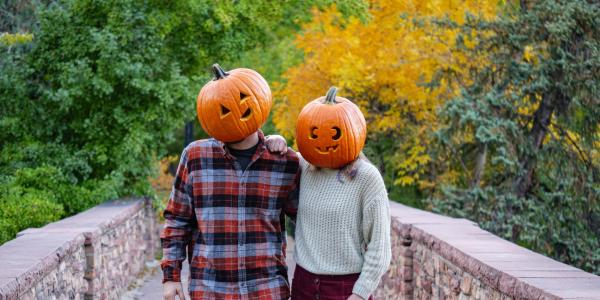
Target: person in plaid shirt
x: 232, y: 218
x: 227, y: 207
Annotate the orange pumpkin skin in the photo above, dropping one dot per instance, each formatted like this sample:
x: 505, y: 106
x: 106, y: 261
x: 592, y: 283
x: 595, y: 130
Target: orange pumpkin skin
x: 234, y: 104
x: 331, y: 131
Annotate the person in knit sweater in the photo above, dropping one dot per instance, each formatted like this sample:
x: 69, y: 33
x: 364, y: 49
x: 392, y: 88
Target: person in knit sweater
x: 342, y: 229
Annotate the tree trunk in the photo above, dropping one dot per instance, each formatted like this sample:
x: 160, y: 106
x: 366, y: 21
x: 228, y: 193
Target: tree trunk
x: 541, y: 121
x: 188, y: 136
x: 479, y: 165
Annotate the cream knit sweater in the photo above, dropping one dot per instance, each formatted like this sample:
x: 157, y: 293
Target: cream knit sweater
x: 344, y: 228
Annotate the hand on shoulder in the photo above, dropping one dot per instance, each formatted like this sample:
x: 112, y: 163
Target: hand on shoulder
x: 276, y: 144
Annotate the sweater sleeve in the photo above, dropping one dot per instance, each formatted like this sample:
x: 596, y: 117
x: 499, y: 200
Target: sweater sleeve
x: 376, y: 234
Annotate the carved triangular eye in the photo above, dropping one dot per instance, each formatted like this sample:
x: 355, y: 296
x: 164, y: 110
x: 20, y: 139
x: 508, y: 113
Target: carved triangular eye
x: 242, y: 96
x: 224, y: 111
x: 246, y: 114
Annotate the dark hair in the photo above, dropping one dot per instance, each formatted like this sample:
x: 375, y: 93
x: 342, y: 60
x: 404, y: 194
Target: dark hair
x: 350, y: 170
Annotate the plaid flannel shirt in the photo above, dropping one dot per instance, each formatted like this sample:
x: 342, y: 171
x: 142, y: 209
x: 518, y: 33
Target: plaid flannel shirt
x: 230, y: 222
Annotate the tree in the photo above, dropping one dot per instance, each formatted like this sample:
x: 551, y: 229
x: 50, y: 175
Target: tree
x: 264, y: 43
x: 492, y: 109
x: 92, y: 92
x: 385, y: 65
x: 17, y: 16
x: 524, y: 134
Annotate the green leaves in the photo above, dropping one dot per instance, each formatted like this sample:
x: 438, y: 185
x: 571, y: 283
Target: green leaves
x: 89, y: 103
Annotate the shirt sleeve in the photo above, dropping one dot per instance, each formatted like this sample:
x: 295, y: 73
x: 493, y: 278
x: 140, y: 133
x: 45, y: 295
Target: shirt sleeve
x: 179, y: 223
x: 291, y: 203
x: 376, y: 233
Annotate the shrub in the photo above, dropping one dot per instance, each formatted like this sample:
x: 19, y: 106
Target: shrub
x: 21, y: 208
x: 93, y: 93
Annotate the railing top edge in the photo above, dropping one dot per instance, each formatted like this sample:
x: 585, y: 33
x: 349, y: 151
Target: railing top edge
x: 36, y: 251
x: 496, y: 261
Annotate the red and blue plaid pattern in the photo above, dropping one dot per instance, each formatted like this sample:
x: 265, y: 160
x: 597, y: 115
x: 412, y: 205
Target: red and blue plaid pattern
x: 230, y: 222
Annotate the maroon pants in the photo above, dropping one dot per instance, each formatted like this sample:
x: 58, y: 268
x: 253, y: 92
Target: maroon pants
x: 307, y: 285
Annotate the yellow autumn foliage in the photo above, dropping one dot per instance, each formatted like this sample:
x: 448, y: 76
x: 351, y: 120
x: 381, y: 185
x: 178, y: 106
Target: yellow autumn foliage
x: 10, y: 39
x: 382, y: 65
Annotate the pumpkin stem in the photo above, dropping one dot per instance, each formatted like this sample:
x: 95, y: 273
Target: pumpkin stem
x: 219, y: 72
x: 330, y: 97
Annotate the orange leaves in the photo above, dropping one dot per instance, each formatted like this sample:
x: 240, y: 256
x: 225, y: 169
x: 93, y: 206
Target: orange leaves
x: 382, y: 65
x: 163, y: 180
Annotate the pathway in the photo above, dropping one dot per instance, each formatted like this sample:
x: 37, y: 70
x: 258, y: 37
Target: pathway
x: 151, y: 286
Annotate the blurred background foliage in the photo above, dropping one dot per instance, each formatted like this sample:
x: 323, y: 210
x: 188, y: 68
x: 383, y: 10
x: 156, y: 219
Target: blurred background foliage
x: 94, y: 93
x: 486, y: 110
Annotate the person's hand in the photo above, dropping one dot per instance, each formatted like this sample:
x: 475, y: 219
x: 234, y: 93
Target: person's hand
x: 355, y: 297
x: 172, y: 288
x: 276, y: 144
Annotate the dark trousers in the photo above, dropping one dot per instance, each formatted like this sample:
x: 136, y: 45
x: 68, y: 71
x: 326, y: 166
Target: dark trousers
x: 308, y: 286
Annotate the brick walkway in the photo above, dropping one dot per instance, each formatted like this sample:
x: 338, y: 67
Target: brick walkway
x: 151, y: 287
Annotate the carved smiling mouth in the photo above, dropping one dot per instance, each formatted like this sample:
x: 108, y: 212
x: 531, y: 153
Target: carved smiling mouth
x: 327, y: 149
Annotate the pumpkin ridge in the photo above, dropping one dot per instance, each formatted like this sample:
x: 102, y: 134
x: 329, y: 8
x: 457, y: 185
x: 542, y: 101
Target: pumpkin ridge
x: 252, y: 101
x: 363, y: 122
x: 258, y: 82
x: 199, y: 108
x: 240, y: 127
x: 348, y: 136
x: 256, y: 114
x: 266, y: 94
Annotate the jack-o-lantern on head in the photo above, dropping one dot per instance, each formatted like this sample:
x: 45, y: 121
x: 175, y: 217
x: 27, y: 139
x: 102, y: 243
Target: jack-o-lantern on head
x: 331, y: 131
x: 234, y: 104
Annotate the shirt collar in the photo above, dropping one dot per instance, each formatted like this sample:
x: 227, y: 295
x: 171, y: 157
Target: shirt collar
x: 259, y: 150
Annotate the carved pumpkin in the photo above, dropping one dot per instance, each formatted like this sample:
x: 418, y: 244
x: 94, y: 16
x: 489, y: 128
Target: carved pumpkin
x: 331, y: 131
x: 234, y: 104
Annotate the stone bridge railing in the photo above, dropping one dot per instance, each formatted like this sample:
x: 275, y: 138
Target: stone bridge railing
x: 98, y: 253
x: 437, y: 257
x: 93, y: 255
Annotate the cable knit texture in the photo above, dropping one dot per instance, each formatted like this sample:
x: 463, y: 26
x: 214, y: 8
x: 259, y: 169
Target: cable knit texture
x: 344, y: 227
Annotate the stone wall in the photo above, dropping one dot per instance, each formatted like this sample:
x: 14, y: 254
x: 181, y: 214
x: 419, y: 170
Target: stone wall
x: 437, y: 257
x: 98, y: 253
x: 31, y: 271
x: 92, y: 255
